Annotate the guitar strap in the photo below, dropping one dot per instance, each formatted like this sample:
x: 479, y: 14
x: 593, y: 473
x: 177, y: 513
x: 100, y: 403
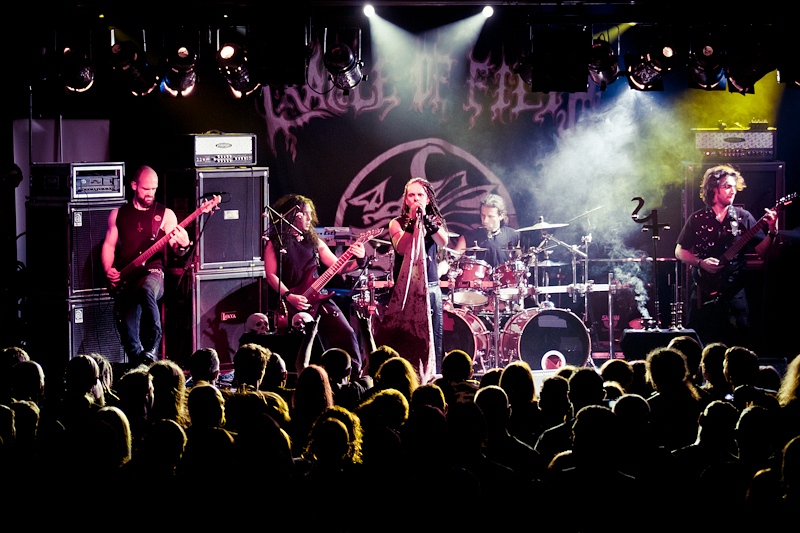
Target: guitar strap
x: 734, y: 222
x: 158, y: 221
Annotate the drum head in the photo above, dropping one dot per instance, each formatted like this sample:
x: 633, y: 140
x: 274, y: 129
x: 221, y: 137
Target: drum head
x: 464, y: 331
x: 546, y: 339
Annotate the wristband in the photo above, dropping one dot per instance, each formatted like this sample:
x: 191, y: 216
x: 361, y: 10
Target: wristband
x: 431, y: 226
x: 772, y: 234
x: 409, y: 226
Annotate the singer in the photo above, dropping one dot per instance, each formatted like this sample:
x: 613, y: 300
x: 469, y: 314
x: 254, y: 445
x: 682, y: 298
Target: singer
x: 419, y: 235
x: 493, y: 234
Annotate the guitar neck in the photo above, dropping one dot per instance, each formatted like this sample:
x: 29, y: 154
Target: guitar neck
x: 326, y: 276
x: 335, y: 268
x: 740, y: 243
x: 157, y: 246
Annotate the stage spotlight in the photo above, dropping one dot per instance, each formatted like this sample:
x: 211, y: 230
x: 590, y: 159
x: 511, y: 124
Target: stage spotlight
x: 232, y: 63
x: 77, y: 71
x: 132, y: 69
x: 181, y: 76
x: 344, y: 67
x: 646, y: 72
x: 790, y: 75
x: 603, y: 65
x: 369, y: 10
x: 705, y: 68
x: 747, y: 66
x: 488, y: 11
x: 556, y: 61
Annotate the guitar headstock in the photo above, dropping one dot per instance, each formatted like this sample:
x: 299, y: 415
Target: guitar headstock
x: 786, y: 200
x: 369, y: 234
x: 210, y: 204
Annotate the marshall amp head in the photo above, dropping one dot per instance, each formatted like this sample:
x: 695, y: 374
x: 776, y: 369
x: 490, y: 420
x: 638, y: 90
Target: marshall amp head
x: 209, y: 150
x: 752, y: 144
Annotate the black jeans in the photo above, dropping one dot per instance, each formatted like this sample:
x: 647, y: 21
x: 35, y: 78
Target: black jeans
x: 138, y: 316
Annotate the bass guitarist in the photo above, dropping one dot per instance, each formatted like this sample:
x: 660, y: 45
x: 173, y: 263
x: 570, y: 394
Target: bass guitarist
x: 292, y: 259
x: 132, y: 229
x: 719, y: 308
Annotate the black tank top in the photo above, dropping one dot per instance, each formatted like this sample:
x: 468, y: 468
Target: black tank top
x: 301, y: 257
x: 135, y: 230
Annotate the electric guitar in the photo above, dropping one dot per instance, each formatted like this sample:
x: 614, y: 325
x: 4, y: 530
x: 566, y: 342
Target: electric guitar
x: 135, y: 268
x: 313, y: 288
x: 728, y: 281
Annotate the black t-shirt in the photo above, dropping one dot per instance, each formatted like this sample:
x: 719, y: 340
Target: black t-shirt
x: 496, y: 244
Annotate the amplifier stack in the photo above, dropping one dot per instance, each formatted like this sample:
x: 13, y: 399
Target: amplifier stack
x: 67, y: 303
x: 223, y: 277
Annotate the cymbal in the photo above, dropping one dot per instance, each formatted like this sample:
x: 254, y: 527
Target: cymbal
x: 542, y: 225
x: 453, y: 252
x: 381, y: 241
x: 475, y: 249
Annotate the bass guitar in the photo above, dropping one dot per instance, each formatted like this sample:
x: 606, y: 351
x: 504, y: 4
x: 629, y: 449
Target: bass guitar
x: 135, y: 268
x: 728, y: 281
x: 314, y: 288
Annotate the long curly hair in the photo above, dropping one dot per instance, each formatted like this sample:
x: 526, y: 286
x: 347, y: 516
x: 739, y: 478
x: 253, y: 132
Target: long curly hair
x: 714, y: 176
x: 286, y: 203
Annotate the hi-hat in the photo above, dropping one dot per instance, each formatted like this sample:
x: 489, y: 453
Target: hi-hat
x: 542, y: 225
x: 475, y: 249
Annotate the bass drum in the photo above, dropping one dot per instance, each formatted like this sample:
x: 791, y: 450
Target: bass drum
x: 464, y: 331
x: 546, y: 339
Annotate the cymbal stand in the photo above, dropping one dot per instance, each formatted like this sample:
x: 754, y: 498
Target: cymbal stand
x: 496, y: 329
x: 575, y: 251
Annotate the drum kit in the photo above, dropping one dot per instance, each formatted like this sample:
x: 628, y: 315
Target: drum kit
x: 505, y: 313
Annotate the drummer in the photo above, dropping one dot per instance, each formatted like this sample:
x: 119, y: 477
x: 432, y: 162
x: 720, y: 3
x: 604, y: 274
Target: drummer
x: 494, y: 236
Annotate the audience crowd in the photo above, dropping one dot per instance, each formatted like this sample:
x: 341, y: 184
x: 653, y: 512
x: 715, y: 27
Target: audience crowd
x: 692, y: 437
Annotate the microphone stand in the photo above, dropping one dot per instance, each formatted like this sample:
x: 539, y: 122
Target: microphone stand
x: 279, y: 228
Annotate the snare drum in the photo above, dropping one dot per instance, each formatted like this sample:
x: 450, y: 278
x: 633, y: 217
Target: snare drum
x: 472, y: 282
x: 511, y: 279
x: 464, y: 331
x: 546, y: 339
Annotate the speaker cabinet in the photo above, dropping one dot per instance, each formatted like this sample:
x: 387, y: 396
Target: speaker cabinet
x: 64, y: 241
x: 59, y: 329
x: 231, y: 236
x: 221, y: 303
x: 637, y: 343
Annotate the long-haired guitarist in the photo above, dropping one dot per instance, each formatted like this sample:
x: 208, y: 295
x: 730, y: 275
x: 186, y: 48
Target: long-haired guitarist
x: 132, y: 230
x: 719, y: 309
x: 292, y: 259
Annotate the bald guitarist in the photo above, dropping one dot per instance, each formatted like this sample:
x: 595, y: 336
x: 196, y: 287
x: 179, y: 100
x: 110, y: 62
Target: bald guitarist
x: 133, y: 229
x: 714, y: 241
x: 293, y: 256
